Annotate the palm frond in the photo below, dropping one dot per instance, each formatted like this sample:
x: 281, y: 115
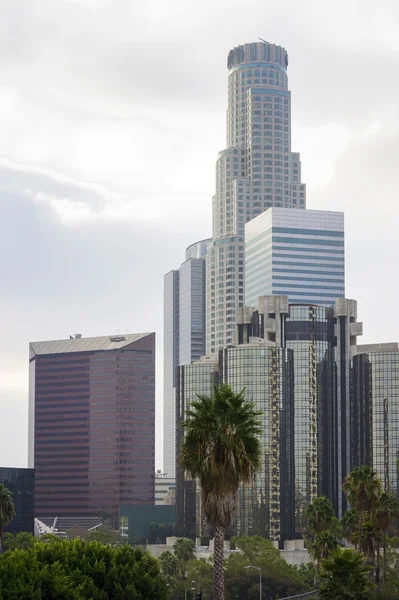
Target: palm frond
x: 221, y: 448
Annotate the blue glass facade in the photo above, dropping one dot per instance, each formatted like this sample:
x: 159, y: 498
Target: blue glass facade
x: 21, y: 483
x: 300, y: 254
x: 375, y: 415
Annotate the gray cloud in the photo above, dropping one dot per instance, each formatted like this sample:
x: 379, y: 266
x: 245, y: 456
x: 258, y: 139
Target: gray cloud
x: 112, y: 113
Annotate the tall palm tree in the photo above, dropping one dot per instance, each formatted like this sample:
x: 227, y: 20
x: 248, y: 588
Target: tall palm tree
x: 385, y: 511
x: 221, y: 448
x: 323, y: 544
x: 7, y: 511
x: 319, y: 515
x: 346, y: 576
x: 350, y: 525
x: 362, y: 487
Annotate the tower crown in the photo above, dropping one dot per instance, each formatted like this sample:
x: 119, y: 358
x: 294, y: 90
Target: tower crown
x: 257, y: 52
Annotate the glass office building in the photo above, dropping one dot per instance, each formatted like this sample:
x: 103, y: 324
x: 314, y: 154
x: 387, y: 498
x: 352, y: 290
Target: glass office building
x: 323, y: 341
x: 170, y: 362
x: 200, y: 377
x: 93, y: 401
x: 309, y: 333
x: 21, y: 483
x: 184, y: 334
x: 299, y: 254
x: 266, y: 505
x: 257, y: 170
x: 376, y: 414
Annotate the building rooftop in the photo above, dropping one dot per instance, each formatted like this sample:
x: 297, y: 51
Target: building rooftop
x: 81, y: 344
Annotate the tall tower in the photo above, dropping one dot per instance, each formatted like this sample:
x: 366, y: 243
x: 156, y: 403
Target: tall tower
x: 92, y: 433
x: 184, y: 334
x: 257, y: 170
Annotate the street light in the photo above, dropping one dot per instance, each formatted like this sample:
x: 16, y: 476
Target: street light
x: 260, y: 578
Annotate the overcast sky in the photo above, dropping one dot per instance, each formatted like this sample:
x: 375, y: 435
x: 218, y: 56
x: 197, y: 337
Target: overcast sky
x: 111, y: 116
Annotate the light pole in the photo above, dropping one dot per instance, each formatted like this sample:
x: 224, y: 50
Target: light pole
x: 260, y: 578
x: 185, y: 592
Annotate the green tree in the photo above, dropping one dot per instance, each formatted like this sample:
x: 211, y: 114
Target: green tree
x: 221, y: 448
x: 362, y: 487
x: 201, y: 571
x: 321, y: 521
x: 76, y: 570
x: 7, y: 511
x: 368, y: 540
x: 350, y: 526
x: 22, y: 540
x: 319, y: 515
x: 390, y: 586
x: 386, y: 510
x: 305, y: 573
x: 278, y: 578
x: 345, y: 576
x: 104, y: 534
x: 323, y: 544
x: 184, y: 550
x: 77, y: 532
x: 169, y: 563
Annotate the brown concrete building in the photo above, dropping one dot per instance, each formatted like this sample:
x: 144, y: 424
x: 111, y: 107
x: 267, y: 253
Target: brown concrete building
x: 92, y: 423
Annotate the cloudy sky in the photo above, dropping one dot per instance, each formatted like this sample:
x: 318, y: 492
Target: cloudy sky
x: 111, y: 116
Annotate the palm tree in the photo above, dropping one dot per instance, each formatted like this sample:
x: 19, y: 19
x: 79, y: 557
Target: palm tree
x: 184, y: 550
x: 7, y: 511
x: 346, y: 576
x: 385, y: 511
x: 369, y: 537
x: 319, y: 515
x: 362, y: 487
x: 169, y: 563
x: 323, y: 544
x: 221, y: 448
x: 350, y: 525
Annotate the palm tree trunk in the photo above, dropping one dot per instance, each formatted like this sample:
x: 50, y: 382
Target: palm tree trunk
x: 360, y: 529
x: 384, y: 549
x: 377, y: 571
x: 318, y: 576
x: 218, y: 565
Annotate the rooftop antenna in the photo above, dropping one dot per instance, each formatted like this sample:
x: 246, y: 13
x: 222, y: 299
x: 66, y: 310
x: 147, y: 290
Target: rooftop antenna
x: 262, y: 40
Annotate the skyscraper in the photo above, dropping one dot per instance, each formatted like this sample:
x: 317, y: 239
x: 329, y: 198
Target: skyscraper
x: 323, y: 340
x: 376, y: 412
x: 170, y: 362
x: 257, y: 170
x: 184, y: 334
x: 265, y: 506
x: 299, y: 254
x: 199, y: 377
x: 92, y: 437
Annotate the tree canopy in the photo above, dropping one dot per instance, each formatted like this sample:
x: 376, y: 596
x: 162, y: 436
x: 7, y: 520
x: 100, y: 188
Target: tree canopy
x: 346, y: 576
x: 7, y: 510
x: 75, y: 570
